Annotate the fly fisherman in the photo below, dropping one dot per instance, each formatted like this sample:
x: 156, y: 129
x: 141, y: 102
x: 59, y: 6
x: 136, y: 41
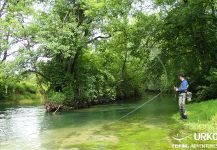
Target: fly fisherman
x: 182, y: 90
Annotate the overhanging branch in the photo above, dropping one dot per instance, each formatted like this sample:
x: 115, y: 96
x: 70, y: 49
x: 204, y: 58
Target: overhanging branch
x: 98, y: 37
x: 36, y: 72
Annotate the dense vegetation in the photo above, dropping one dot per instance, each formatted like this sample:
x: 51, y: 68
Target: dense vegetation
x: 95, y: 51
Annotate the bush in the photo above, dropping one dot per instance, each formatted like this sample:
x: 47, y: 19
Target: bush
x: 23, y: 88
x: 69, y: 92
x: 56, y: 97
x: 19, y: 88
x: 2, y: 92
x: 30, y: 88
x: 128, y: 88
x: 210, y: 90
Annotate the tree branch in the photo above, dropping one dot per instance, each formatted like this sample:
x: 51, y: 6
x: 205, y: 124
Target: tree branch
x: 36, y: 72
x: 6, y: 50
x: 12, y: 53
x: 2, y: 8
x: 98, y: 37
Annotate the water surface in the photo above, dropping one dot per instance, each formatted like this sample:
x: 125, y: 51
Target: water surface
x: 99, y: 127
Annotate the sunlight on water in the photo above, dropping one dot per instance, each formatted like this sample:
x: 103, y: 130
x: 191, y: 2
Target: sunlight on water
x: 21, y: 127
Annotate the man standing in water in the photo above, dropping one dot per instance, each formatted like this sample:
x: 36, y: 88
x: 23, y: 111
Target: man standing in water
x: 182, y: 95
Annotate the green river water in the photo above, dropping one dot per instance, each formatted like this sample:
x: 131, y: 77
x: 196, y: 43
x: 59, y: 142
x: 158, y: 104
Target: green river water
x: 30, y: 127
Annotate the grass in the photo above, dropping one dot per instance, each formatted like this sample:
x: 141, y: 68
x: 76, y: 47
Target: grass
x: 202, y: 117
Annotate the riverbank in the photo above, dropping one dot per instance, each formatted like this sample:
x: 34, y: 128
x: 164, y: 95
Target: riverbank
x: 53, y: 107
x: 24, y: 92
x: 81, y: 104
x: 25, y: 99
x: 202, y: 117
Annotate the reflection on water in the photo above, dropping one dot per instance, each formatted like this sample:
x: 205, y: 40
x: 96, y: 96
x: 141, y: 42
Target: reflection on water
x: 21, y: 124
x: 32, y: 128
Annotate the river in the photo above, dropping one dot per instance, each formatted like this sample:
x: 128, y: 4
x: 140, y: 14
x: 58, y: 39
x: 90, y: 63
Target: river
x: 96, y: 128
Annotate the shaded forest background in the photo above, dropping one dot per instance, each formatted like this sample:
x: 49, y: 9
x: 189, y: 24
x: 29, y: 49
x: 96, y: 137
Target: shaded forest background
x: 95, y: 50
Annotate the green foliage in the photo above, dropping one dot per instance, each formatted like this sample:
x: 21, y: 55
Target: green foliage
x: 209, y: 91
x: 3, y: 94
x: 14, y: 85
x: 23, y: 88
x: 81, y: 66
x: 106, y: 50
x: 56, y: 97
x: 186, y: 37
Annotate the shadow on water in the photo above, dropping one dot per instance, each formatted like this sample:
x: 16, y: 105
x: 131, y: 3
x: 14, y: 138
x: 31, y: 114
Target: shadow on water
x: 85, y: 128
